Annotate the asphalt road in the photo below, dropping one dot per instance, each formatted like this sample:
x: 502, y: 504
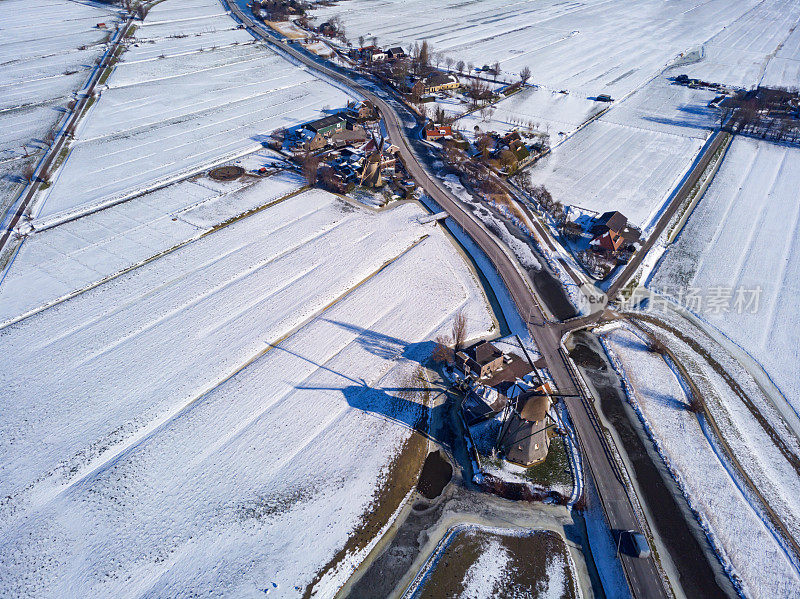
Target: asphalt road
x: 682, y: 193
x: 643, y: 577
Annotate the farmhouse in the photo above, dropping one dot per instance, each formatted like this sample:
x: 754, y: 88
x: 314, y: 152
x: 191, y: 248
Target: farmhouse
x: 523, y: 438
x: 396, y: 53
x: 435, y: 132
x: 366, y: 111
x: 327, y: 126
x: 480, y: 360
x: 372, y: 54
x: 612, y: 232
x: 436, y: 82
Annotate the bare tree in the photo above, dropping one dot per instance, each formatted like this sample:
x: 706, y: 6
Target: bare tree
x: 524, y: 75
x: 448, y: 61
x: 310, y: 166
x: 695, y: 405
x: 460, y: 66
x: 459, y: 330
x: 442, y: 352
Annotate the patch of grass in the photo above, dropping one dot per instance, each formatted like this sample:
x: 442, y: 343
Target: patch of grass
x: 62, y: 156
x: 106, y: 74
x: 555, y: 470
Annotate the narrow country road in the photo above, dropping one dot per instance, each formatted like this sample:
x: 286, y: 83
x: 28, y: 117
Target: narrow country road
x: 642, y: 574
x: 43, y: 170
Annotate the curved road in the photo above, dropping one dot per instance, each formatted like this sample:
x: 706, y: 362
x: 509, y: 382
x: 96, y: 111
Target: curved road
x: 643, y: 577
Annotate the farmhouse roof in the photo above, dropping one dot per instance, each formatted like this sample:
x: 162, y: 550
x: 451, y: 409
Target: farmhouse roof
x: 486, y: 352
x: 630, y: 235
x: 437, y: 78
x: 324, y: 122
x: 614, y: 221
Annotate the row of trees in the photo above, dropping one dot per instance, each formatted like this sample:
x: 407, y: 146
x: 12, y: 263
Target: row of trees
x: 769, y: 113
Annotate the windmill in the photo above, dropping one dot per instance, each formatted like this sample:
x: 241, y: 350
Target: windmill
x: 373, y: 161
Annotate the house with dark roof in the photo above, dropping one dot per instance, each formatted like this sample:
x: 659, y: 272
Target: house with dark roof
x: 395, y: 53
x: 328, y: 125
x: 612, y: 232
x: 481, y: 360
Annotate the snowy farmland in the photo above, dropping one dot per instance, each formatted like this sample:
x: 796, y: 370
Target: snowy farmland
x: 760, y: 41
x: 537, y: 109
x: 633, y: 157
x: 60, y: 261
x: 606, y: 166
x: 192, y: 91
x: 743, y: 235
x: 223, y: 418
x: 39, y: 74
x: 587, y: 47
x: 749, y: 549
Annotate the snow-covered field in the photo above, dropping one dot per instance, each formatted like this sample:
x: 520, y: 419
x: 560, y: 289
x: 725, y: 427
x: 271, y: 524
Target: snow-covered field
x: 607, y: 166
x: 748, y: 548
x: 39, y: 73
x: 221, y: 419
x: 536, y: 108
x: 742, y: 236
x: 633, y: 157
x: 56, y: 262
x: 474, y: 562
x: 754, y: 429
x: 192, y: 90
x: 739, y: 54
x: 588, y: 47
x: 784, y: 69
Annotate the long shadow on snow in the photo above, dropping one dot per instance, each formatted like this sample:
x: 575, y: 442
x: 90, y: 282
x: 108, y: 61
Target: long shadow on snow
x: 388, y: 403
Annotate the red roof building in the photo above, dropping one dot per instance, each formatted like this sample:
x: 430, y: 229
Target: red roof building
x: 435, y: 132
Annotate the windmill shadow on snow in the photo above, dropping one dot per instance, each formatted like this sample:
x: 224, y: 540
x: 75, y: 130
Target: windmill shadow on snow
x: 394, y: 404
x: 387, y: 346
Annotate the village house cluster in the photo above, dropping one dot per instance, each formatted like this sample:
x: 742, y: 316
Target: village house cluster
x: 342, y: 150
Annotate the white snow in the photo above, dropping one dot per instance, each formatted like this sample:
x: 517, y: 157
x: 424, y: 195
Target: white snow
x: 487, y: 572
x: 545, y: 110
x: 56, y: 262
x: 180, y: 104
x: 607, y: 166
x: 39, y: 73
x: 739, y: 54
x: 749, y: 549
x: 588, y: 47
x: 743, y: 235
x: 219, y: 419
x: 770, y: 469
